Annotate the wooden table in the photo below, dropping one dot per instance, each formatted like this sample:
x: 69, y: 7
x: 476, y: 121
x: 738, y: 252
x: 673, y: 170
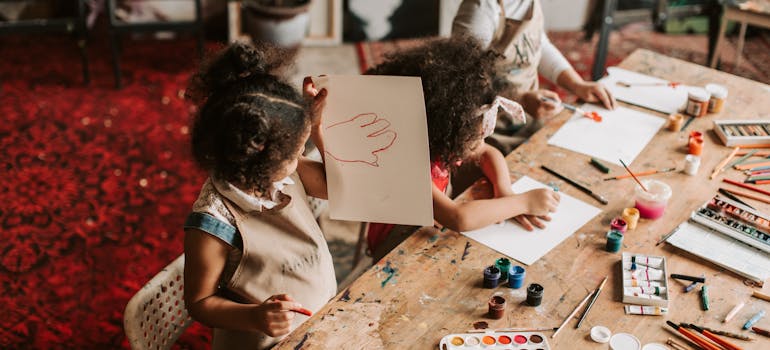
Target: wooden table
x: 430, y: 285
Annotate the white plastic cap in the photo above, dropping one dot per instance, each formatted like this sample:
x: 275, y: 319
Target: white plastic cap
x: 716, y: 90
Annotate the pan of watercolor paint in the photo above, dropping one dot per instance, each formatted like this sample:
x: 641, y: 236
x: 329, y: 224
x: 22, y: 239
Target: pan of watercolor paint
x: 495, y: 340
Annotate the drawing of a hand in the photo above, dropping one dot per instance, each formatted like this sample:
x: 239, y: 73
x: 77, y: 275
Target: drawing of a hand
x: 366, y: 135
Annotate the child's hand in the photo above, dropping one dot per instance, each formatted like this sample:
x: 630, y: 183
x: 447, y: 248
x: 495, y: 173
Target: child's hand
x: 273, y: 317
x: 541, y: 202
x: 539, y: 109
x: 316, y: 98
x: 528, y: 221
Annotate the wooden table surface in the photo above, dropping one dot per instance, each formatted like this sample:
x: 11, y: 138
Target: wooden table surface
x: 431, y: 285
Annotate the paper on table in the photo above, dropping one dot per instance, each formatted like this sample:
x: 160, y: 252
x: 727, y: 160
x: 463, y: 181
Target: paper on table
x: 376, y: 143
x: 528, y: 246
x: 622, y: 134
x: 663, y: 98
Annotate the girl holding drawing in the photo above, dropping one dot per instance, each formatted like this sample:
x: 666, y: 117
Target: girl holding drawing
x: 253, y: 250
x: 461, y: 101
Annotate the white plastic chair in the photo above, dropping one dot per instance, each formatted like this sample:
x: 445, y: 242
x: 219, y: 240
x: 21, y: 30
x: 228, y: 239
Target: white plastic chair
x: 155, y: 316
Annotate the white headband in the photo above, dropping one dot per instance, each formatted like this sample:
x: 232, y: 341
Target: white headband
x: 490, y: 113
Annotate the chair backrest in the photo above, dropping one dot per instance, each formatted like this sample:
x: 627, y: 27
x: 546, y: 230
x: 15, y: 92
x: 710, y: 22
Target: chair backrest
x: 155, y: 316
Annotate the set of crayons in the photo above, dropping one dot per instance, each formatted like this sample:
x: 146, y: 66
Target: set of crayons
x: 736, y: 221
x: 743, y: 132
x: 760, y: 129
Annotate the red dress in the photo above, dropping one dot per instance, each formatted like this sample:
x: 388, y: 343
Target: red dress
x: 378, y: 231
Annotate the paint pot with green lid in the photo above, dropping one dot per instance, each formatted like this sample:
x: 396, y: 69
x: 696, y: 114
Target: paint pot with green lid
x: 503, y: 264
x: 614, y: 241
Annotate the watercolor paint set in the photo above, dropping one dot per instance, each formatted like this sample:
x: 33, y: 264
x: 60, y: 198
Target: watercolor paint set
x: 743, y: 132
x: 495, y: 340
x: 644, y: 284
x: 735, y: 220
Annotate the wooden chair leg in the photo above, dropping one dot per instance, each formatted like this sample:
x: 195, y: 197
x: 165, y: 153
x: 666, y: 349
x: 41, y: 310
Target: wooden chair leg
x: 741, y: 42
x: 720, y: 41
x: 116, y: 59
x: 82, y: 44
x: 361, y: 244
x: 600, y: 56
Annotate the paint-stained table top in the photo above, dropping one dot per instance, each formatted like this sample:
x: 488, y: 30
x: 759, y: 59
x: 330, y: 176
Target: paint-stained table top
x: 431, y: 285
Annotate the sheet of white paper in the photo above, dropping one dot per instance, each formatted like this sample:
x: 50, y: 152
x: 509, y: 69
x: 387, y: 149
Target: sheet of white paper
x: 622, y: 134
x: 663, y: 99
x: 528, y: 246
x: 722, y: 250
x: 376, y: 140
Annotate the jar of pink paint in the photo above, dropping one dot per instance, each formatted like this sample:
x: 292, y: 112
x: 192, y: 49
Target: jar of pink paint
x: 652, y: 203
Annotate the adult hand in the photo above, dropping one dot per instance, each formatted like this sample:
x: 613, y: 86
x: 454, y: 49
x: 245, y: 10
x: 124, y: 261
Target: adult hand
x: 316, y: 98
x: 591, y: 91
x: 274, y: 315
x: 535, y: 106
x: 369, y: 129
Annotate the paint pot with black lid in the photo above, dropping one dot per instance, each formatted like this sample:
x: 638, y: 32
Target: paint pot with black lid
x: 491, y: 277
x: 496, y: 307
x: 534, y: 294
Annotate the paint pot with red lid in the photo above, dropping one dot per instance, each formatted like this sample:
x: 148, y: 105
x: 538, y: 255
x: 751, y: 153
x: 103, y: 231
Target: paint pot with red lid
x: 496, y: 307
x: 618, y: 224
x: 491, y: 277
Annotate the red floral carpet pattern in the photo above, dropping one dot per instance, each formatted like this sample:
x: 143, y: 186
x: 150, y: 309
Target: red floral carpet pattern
x: 96, y: 184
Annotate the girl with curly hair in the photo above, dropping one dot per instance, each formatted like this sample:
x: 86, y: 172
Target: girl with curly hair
x: 253, y: 250
x: 461, y: 101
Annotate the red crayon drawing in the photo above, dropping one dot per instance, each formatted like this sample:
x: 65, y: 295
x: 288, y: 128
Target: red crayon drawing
x: 368, y: 126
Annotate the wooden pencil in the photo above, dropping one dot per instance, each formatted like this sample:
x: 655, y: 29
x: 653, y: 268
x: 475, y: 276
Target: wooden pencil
x: 747, y: 195
x: 724, y: 162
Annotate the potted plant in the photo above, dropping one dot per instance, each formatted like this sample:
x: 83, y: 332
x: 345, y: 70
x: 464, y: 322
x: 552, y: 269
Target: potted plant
x: 282, y: 22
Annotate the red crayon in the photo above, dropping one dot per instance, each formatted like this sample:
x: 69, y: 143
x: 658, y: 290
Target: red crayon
x: 303, y: 311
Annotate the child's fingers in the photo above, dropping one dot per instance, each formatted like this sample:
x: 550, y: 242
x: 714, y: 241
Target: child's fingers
x: 536, y: 221
x: 308, y: 87
x: 544, y: 217
x: 522, y: 220
x: 285, y: 297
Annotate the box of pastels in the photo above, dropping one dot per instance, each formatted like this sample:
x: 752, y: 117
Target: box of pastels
x: 742, y: 132
x: 495, y: 340
x: 644, y: 281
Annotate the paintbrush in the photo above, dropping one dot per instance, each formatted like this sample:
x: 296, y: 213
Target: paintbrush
x: 593, y: 300
x: 593, y: 115
x: 571, y: 315
x: 628, y: 85
x: 523, y: 329
x: 632, y: 175
x: 643, y: 173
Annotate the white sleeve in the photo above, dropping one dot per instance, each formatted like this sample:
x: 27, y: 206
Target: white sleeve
x: 477, y: 18
x: 552, y: 62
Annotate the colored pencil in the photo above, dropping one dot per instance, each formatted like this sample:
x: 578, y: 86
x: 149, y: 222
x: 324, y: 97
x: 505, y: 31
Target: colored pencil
x: 675, y: 345
x: 759, y: 295
x: 593, y: 115
x: 747, y: 195
x: 727, y: 194
x: 724, y: 162
x: 724, y: 343
x: 571, y: 315
x: 754, y: 165
x: 743, y: 157
x: 748, y: 187
x: 698, y: 340
x: 593, y: 300
x: 733, y: 312
x: 757, y: 154
x: 643, y: 173
x: 761, y: 331
x: 764, y: 145
x: 632, y: 175
x: 596, y: 196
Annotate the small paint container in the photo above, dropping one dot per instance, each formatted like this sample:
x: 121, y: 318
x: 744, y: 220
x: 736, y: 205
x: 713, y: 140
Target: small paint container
x: 504, y: 265
x: 675, y: 121
x: 534, y: 294
x: 491, y: 277
x: 614, y: 241
x: 691, y: 164
x: 631, y: 217
x: 718, y: 97
x: 619, y: 224
x: 654, y: 346
x: 516, y: 277
x: 625, y: 341
x: 697, y: 102
x: 652, y: 203
x: 600, y: 334
x: 695, y: 146
x: 496, y: 307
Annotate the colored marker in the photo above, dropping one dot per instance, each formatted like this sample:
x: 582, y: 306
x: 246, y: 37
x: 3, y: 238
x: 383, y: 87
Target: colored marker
x: 303, y: 311
x: 598, y: 165
x: 690, y: 287
x: 754, y: 319
x: 704, y: 298
x: 733, y: 312
x: 688, y: 278
x: 761, y: 331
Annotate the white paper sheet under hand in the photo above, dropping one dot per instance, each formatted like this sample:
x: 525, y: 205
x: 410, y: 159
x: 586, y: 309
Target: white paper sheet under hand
x: 661, y: 98
x: 511, y: 239
x: 622, y: 134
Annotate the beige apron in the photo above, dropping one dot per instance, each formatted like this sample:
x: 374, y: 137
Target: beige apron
x: 284, y: 252
x: 520, y: 44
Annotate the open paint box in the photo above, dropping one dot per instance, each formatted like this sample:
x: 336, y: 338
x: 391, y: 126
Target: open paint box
x: 495, y: 340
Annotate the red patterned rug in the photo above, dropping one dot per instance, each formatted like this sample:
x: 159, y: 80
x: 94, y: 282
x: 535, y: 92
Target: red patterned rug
x: 755, y: 63
x: 96, y: 185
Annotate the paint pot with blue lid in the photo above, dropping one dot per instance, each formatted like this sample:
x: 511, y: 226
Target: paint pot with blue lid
x: 516, y: 277
x: 614, y: 241
x: 491, y: 277
x: 503, y: 264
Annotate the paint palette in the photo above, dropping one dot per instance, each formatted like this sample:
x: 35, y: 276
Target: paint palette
x: 743, y: 132
x: 495, y: 340
x: 644, y: 283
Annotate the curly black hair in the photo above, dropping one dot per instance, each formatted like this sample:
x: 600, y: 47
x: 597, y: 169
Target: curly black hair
x: 458, y: 77
x: 250, y: 122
